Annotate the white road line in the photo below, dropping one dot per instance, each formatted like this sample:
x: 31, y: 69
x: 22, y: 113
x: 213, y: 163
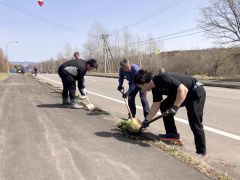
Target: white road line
x: 89, y: 79
x: 213, y: 130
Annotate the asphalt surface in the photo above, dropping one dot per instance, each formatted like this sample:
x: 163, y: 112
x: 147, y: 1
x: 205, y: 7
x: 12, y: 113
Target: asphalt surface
x: 232, y: 83
x: 222, y: 83
x: 221, y: 118
x: 39, y: 139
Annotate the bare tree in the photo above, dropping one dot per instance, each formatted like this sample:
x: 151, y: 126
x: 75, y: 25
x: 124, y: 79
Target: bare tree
x: 221, y: 21
x: 68, y: 51
x: 94, y: 46
x: 3, y: 62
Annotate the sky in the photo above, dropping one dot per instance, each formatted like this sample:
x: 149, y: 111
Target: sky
x: 43, y: 32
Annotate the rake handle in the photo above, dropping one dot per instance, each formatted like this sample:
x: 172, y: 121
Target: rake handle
x: 157, y: 117
x: 129, y: 111
x: 154, y: 119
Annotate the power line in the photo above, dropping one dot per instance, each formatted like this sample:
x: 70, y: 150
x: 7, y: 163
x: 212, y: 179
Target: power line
x: 36, y: 16
x: 182, y: 35
x: 159, y: 39
x: 175, y: 17
x: 163, y: 8
x: 152, y: 14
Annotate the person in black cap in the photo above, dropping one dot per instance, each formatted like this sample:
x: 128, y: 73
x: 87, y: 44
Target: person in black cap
x: 70, y: 72
x: 181, y: 90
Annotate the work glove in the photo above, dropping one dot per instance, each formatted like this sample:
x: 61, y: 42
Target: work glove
x: 145, y: 123
x: 125, y: 95
x: 83, y: 92
x: 172, y: 111
x: 120, y: 88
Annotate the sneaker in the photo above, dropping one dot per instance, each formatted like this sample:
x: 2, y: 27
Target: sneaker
x: 83, y: 97
x: 75, y: 105
x: 202, y: 155
x: 169, y: 137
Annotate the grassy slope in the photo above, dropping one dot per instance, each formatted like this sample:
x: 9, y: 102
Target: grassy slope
x: 4, y: 76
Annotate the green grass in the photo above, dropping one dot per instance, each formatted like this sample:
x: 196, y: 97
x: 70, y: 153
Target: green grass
x: 4, y: 76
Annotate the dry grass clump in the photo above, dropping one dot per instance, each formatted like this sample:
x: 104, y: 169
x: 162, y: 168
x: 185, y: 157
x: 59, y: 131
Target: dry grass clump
x: 128, y: 126
x: 192, y: 161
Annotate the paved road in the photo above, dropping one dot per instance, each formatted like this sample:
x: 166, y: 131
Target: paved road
x: 221, y: 119
x: 41, y: 140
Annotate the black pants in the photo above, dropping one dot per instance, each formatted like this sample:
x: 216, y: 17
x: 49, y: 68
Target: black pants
x: 194, y: 104
x: 69, y: 84
x: 132, y: 104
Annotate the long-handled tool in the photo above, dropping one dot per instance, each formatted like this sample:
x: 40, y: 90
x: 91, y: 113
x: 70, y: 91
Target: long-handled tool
x: 154, y: 119
x: 134, y: 120
x: 89, y: 105
x: 125, y: 100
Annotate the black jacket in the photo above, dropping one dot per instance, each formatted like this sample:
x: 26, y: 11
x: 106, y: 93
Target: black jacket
x: 76, y: 68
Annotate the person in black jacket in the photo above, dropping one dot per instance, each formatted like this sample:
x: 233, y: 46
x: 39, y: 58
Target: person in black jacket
x: 70, y: 72
x: 181, y: 90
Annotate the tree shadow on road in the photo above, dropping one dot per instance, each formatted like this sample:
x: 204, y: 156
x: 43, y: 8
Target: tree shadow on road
x: 58, y: 105
x: 119, y: 137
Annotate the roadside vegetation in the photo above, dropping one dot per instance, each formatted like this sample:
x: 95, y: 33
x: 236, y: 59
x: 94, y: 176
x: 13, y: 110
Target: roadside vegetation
x: 3, y: 62
x: 3, y: 76
x: 175, y: 151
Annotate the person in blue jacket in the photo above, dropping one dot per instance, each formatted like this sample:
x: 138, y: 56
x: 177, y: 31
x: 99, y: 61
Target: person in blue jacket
x: 128, y: 71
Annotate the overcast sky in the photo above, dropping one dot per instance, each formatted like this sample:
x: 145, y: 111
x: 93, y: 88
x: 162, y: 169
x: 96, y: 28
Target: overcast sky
x: 43, y: 32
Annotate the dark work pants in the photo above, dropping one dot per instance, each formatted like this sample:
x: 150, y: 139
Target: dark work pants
x: 194, y: 104
x: 132, y: 104
x: 81, y: 86
x: 69, y: 84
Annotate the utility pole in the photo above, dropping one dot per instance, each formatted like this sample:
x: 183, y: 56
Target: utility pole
x: 106, y: 46
x: 140, y: 60
x: 138, y: 55
x: 104, y: 55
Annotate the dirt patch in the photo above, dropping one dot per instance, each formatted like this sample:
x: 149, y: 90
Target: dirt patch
x: 97, y: 111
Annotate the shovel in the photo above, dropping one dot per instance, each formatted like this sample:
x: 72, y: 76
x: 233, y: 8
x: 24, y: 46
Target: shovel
x: 152, y: 120
x: 137, y: 122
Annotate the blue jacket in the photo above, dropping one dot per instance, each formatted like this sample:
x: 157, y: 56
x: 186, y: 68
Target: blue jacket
x: 129, y: 76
